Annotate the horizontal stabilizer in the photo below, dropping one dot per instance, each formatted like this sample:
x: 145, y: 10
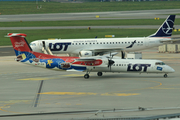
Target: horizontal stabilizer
x: 16, y: 35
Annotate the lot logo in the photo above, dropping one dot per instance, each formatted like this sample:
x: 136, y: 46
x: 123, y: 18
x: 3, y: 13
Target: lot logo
x: 59, y: 46
x: 138, y: 67
x: 86, y: 53
x: 131, y: 44
x: 167, y: 27
x: 159, y: 68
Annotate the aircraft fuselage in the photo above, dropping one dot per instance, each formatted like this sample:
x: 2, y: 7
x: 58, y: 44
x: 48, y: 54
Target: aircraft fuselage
x: 74, y: 46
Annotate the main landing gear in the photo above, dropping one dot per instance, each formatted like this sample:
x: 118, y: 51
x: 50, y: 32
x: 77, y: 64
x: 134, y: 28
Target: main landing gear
x: 86, y: 76
x: 165, y: 75
x: 99, y: 74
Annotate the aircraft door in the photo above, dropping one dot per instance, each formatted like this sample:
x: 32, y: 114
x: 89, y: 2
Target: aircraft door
x: 146, y: 42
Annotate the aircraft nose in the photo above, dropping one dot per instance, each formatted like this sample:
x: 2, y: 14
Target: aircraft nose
x: 170, y: 69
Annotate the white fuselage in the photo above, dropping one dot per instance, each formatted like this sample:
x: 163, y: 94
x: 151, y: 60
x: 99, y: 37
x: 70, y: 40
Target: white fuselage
x: 135, y: 66
x: 74, y: 46
x: 125, y: 65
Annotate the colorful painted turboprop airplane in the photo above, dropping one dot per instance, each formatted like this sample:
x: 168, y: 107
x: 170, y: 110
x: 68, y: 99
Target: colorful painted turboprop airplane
x: 100, y: 46
x: 97, y: 64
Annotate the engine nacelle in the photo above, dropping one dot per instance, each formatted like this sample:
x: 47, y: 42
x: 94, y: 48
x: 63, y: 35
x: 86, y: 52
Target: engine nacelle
x: 86, y: 53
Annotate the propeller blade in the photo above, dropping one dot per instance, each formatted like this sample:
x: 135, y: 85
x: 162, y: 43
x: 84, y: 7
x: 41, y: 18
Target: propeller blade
x: 111, y: 62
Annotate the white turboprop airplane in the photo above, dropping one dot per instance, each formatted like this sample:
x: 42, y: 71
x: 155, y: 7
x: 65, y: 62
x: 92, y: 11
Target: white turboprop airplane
x: 100, y: 46
x: 97, y: 64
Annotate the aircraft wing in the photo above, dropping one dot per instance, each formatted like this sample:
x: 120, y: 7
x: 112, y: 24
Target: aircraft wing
x: 93, y: 58
x: 107, y: 49
x: 85, y: 59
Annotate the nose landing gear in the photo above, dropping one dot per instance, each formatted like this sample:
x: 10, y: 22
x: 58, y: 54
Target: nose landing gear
x: 86, y: 76
x: 165, y: 75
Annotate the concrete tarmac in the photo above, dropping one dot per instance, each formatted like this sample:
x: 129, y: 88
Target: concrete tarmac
x: 67, y: 95
x: 120, y: 94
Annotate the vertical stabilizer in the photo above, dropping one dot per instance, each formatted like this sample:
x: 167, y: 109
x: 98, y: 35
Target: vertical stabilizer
x: 166, y: 28
x: 19, y: 42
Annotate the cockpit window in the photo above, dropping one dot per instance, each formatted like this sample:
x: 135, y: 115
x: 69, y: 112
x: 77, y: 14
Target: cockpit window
x: 32, y: 44
x: 160, y: 63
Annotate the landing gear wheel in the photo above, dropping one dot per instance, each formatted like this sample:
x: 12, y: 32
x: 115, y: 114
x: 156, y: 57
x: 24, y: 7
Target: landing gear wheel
x: 99, y: 73
x: 165, y: 75
x: 86, y: 76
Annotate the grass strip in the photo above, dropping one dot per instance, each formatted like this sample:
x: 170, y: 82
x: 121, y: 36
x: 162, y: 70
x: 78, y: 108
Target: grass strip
x: 57, y: 7
x: 85, y: 23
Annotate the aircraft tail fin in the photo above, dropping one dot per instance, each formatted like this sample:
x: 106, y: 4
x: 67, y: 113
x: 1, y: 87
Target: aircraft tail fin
x: 22, y: 49
x: 19, y: 42
x: 165, y: 30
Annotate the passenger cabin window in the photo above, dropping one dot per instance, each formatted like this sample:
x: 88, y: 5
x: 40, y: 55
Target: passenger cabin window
x: 159, y: 63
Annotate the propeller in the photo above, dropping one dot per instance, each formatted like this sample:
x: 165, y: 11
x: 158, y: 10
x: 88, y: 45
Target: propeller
x: 110, y: 61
